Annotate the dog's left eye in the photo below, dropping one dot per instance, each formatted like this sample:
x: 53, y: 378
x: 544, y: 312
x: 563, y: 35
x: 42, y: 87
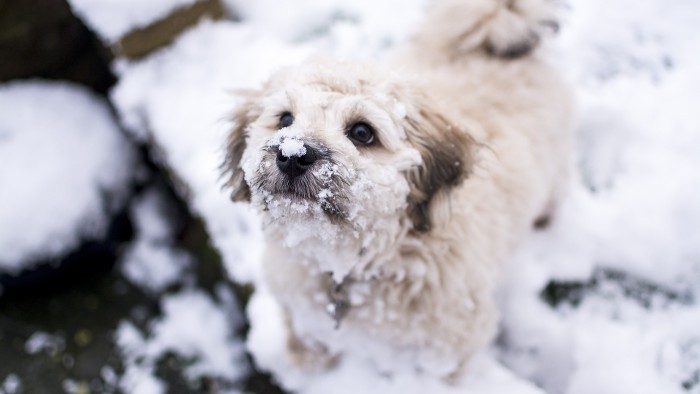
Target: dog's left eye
x: 286, y: 120
x: 361, y: 133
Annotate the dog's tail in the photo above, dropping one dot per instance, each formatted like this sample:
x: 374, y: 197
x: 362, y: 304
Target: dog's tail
x: 502, y: 28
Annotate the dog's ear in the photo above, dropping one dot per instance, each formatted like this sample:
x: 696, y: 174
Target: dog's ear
x: 448, y: 153
x: 244, y: 114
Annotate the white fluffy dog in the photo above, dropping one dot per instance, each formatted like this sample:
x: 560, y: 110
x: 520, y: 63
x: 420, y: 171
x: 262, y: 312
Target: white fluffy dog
x: 391, y: 195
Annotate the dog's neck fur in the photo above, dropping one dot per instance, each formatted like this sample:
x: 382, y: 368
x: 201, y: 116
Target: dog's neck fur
x: 342, y: 252
x: 343, y: 255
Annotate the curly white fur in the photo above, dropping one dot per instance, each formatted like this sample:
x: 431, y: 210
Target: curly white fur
x: 406, y: 236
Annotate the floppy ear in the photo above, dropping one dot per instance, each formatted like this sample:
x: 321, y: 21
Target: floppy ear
x: 448, y: 158
x: 246, y: 113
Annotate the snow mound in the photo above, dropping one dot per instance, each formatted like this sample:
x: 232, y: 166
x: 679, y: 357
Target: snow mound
x: 66, y: 168
x: 152, y: 261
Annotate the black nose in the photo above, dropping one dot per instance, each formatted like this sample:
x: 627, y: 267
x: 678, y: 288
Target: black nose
x: 296, y: 165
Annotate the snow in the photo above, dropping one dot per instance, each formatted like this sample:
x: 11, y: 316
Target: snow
x: 66, y: 169
x: 193, y: 326
x: 112, y: 19
x: 361, y: 28
x: 292, y: 147
x: 11, y: 385
x: 633, y: 210
x: 41, y: 341
x: 152, y: 261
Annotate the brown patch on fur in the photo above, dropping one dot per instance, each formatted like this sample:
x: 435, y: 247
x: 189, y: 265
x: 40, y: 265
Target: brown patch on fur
x: 246, y: 113
x: 524, y: 45
x: 448, y: 158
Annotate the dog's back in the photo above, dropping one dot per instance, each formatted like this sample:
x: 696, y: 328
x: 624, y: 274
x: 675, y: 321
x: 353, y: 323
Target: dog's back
x: 479, y: 58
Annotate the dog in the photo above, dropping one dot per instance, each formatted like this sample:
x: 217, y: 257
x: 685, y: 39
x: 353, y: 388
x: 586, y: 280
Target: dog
x: 391, y: 194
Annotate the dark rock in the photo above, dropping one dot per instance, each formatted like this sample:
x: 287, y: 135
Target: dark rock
x: 89, y: 260
x: 604, y: 280
x: 43, y: 39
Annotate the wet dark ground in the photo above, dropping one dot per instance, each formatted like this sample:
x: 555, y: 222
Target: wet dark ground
x: 65, y: 338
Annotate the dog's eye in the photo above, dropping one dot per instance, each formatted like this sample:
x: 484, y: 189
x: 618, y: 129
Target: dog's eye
x: 286, y: 120
x: 361, y: 133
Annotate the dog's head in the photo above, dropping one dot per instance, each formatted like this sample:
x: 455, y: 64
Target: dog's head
x: 347, y: 146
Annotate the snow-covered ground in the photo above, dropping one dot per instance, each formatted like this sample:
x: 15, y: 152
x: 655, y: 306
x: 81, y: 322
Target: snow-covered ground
x: 152, y: 261
x: 604, y: 300
x: 196, y: 326
x: 635, y: 211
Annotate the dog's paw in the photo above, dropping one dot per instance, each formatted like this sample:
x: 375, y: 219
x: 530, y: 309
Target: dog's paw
x: 455, y: 377
x: 310, y: 357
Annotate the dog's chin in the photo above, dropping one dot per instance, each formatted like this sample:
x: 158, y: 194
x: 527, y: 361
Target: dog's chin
x: 299, y: 200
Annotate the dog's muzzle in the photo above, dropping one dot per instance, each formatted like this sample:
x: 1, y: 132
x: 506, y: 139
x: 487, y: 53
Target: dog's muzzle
x: 305, y: 171
x: 296, y: 165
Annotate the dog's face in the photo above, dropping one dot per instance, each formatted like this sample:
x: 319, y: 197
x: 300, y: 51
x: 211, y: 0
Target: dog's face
x: 333, y: 150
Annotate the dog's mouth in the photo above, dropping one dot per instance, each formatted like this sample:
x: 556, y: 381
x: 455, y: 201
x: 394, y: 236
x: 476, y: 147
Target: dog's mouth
x: 321, y: 185
x: 298, y: 194
x: 299, y: 188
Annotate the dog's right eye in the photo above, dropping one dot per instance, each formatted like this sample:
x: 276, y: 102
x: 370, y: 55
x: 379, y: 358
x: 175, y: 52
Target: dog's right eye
x: 286, y: 120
